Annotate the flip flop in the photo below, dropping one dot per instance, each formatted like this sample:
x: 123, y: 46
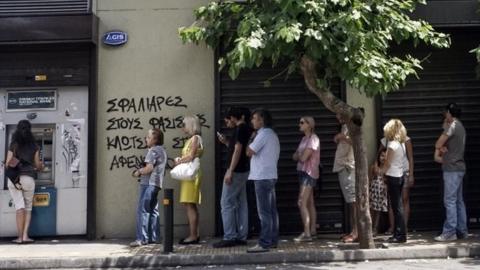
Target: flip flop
x: 28, y: 241
x: 349, y: 239
x: 17, y: 241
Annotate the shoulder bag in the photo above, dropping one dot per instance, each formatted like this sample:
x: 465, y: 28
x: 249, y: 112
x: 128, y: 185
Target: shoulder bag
x: 12, y: 170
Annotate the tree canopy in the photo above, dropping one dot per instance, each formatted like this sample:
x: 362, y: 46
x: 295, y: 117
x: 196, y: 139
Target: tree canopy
x: 347, y: 39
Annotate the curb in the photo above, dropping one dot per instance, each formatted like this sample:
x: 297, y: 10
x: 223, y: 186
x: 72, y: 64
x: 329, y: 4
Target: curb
x: 161, y: 260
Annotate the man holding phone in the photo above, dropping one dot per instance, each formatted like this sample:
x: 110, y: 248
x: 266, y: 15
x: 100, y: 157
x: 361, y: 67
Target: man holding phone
x: 234, y: 195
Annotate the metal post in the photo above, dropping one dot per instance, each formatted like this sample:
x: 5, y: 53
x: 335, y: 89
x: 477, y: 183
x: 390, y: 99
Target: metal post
x: 168, y: 220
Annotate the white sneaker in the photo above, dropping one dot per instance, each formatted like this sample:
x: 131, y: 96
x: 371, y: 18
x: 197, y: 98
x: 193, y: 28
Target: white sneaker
x: 257, y: 249
x: 445, y: 238
x: 136, y: 243
x: 302, y: 238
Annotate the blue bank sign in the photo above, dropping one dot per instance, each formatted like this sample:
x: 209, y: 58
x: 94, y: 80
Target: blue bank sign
x: 115, y: 38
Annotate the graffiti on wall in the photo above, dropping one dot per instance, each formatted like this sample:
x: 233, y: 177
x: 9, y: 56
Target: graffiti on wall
x: 126, y: 126
x: 71, y: 142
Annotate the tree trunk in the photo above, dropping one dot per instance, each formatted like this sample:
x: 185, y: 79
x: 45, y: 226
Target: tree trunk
x: 354, y: 119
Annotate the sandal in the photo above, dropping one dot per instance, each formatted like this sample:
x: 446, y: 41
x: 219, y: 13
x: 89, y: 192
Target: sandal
x: 350, y: 239
x: 28, y: 241
x: 17, y: 241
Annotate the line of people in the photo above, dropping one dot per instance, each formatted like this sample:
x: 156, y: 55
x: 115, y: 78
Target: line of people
x: 253, y: 155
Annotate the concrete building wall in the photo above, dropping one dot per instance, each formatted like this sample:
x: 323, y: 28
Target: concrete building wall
x: 357, y: 99
x: 171, y: 80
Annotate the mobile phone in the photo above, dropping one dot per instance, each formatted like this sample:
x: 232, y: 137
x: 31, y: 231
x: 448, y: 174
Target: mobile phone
x: 219, y: 134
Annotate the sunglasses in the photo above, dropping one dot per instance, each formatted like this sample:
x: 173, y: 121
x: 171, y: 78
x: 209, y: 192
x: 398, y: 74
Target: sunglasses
x: 302, y: 122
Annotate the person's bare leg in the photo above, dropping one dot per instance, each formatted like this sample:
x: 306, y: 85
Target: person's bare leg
x: 354, y: 220
x: 313, y: 213
x: 26, y: 226
x: 20, y: 218
x: 302, y: 205
x: 406, y: 205
x: 192, y: 215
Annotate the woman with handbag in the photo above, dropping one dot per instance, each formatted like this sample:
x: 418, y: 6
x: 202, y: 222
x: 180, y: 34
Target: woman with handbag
x: 151, y: 181
x: 24, y: 151
x: 190, y: 195
x: 307, y: 156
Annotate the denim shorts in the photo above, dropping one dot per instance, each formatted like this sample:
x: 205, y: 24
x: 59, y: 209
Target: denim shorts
x: 306, y: 180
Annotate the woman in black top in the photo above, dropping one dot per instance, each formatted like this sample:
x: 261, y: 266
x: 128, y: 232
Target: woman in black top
x: 24, y: 148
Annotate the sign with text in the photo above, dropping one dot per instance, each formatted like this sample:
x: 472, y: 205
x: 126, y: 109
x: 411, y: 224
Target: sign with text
x: 115, y: 38
x: 31, y: 100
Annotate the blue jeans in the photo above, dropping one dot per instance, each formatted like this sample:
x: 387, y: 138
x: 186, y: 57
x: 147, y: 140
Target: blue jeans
x: 267, y: 212
x: 456, y: 216
x: 235, y: 208
x: 148, y: 223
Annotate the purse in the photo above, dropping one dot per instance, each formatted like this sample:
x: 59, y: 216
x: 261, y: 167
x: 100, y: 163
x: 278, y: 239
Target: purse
x: 186, y: 171
x: 12, y: 172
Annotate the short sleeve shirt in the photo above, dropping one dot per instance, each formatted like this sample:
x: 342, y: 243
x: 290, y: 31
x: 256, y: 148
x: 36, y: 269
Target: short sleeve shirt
x: 396, y: 164
x: 241, y: 135
x: 311, y: 165
x: 406, y: 164
x: 26, y: 154
x: 157, y: 156
x: 263, y: 164
x: 453, y: 160
x: 344, y: 154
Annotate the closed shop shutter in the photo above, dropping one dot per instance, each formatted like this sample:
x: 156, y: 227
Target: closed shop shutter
x: 287, y: 100
x: 44, y: 7
x: 448, y: 76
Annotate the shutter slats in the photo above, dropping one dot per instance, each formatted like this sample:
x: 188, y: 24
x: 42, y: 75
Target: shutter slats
x: 36, y: 7
x: 448, y: 76
x: 288, y: 100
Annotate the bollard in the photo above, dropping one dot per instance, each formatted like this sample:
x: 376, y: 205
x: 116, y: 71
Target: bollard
x: 168, y: 220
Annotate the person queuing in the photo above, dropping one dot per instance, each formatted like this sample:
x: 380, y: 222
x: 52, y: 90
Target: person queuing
x: 264, y: 151
x: 151, y: 181
x: 449, y: 151
x: 190, y: 195
x: 344, y: 166
x: 409, y: 181
x: 24, y: 149
x: 234, y: 207
x: 307, y: 156
x: 378, y: 190
x: 393, y: 169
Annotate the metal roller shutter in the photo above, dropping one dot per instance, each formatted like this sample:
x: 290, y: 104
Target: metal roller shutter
x: 36, y: 7
x: 287, y: 100
x: 448, y: 76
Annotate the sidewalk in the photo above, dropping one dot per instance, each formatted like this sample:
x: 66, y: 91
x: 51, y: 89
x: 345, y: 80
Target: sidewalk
x: 117, y: 254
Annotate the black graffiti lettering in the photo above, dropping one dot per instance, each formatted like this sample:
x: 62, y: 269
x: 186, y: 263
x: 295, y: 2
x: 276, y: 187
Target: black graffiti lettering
x: 203, y: 120
x: 124, y: 143
x: 178, y: 102
x: 151, y: 105
x: 124, y: 123
x: 144, y: 104
x: 159, y: 101
x: 112, y: 108
x: 130, y: 162
x: 164, y: 123
x: 179, y: 142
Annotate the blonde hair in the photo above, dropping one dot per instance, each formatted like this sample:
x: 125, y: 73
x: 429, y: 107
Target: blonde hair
x: 192, y: 125
x: 310, y: 121
x: 394, y: 130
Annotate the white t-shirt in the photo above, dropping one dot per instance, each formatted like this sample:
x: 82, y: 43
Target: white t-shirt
x: 406, y: 165
x: 397, y: 163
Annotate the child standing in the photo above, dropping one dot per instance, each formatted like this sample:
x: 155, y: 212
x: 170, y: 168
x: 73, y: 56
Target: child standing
x: 378, y: 191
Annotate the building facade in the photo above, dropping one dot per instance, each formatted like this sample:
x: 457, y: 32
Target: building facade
x: 106, y: 98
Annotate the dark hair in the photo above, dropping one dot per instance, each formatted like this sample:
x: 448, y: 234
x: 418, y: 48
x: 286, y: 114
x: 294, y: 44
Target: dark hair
x: 23, y: 135
x: 238, y: 112
x: 453, y: 109
x: 379, y: 154
x: 265, y: 115
x: 157, y: 136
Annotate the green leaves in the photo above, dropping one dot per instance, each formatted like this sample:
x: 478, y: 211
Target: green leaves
x: 348, y: 39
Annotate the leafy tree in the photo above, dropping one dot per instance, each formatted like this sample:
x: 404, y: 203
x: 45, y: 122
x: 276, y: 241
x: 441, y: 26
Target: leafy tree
x: 324, y: 40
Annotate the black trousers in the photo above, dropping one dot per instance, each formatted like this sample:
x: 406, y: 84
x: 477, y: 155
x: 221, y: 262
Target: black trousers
x: 395, y: 188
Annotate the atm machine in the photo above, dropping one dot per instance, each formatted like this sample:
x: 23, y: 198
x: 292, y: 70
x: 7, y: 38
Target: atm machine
x: 59, y: 125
